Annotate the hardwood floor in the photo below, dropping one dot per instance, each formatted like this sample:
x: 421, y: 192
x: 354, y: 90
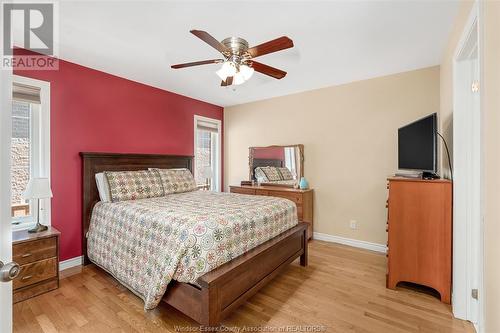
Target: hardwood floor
x: 342, y: 290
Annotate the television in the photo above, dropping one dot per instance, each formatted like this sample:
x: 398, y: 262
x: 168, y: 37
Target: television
x: 417, y: 145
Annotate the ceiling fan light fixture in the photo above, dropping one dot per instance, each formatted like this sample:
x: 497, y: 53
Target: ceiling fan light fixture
x: 237, y: 61
x: 228, y: 69
x: 246, y: 71
x: 238, y: 78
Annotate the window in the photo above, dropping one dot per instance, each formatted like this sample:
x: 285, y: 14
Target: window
x: 290, y: 160
x: 207, y: 153
x: 29, y: 147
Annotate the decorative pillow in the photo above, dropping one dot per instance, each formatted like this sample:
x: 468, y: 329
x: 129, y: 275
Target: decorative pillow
x: 272, y: 173
x: 260, y: 176
x: 132, y: 185
x: 285, y: 174
x: 177, y: 180
x: 103, y: 187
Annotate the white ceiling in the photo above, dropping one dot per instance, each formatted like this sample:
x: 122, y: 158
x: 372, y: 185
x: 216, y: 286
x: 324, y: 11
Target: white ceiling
x: 335, y: 42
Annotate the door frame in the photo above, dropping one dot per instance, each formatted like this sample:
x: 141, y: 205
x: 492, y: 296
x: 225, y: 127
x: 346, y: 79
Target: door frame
x: 5, y: 213
x: 468, y: 210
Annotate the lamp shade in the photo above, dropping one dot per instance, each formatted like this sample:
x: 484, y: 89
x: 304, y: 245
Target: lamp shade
x: 246, y: 71
x: 228, y: 69
x: 38, y: 188
x: 207, y: 172
x: 238, y: 79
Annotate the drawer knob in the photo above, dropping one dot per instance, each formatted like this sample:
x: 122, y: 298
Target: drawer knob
x: 26, y: 255
x: 27, y: 277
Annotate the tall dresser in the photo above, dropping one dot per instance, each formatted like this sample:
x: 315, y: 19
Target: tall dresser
x: 302, y: 198
x: 419, y: 224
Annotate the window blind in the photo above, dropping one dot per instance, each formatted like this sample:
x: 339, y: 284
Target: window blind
x: 207, y: 126
x: 21, y: 92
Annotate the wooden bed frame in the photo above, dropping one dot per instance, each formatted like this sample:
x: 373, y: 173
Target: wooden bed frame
x: 222, y: 290
x: 262, y: 162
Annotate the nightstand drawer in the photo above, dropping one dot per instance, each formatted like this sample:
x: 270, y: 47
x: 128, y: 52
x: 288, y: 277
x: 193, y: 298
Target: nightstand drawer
x: 36, y: 272
x: 32, y: 251
x: 22, y: 294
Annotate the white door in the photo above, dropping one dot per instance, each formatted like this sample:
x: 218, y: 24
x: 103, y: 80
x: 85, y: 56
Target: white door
x: 467, y: 185
x: 5, y: 218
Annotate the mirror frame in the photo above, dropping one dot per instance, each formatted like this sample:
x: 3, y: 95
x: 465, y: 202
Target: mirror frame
x: 250, y: 161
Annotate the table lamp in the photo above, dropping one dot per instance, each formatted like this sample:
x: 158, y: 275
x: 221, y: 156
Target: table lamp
x: 38, y: 188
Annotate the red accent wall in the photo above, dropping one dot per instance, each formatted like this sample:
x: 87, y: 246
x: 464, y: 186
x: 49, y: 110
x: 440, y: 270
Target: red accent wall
x: 96, y: 111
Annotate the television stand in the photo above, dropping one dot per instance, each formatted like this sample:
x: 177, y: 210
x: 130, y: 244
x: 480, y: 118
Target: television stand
x: 419, y: 226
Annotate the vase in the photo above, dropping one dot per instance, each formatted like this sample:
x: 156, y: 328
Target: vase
x: 304, y: 185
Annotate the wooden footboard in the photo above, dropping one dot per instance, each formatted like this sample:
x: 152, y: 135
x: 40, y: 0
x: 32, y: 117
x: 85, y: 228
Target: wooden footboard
x: 227, y: 287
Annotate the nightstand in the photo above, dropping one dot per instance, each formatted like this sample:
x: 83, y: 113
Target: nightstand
x: 38, y: 256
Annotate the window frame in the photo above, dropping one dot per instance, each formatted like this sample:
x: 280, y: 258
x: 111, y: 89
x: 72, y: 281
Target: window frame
x: 217, y: 180
x: 42, y: 133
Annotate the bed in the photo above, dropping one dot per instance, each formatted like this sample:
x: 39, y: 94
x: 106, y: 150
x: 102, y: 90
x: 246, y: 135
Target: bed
x: 214, y: 291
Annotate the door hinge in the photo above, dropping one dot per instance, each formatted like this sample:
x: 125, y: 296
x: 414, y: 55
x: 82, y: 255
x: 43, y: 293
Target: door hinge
x: 475, y: 86
x: 474, y: 293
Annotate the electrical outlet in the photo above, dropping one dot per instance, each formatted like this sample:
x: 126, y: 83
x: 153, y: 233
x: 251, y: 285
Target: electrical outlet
x: 353, y: 224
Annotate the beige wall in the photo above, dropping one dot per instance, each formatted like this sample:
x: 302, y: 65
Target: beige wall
x: 491, y: 110
x: 446, y: 83
x: 350, y: 138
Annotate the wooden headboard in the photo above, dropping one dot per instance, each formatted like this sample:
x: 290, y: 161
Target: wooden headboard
x: 262, y: 162
x: 98, y: 162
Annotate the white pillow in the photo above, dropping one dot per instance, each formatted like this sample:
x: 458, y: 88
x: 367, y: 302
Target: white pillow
x: 103, y: 187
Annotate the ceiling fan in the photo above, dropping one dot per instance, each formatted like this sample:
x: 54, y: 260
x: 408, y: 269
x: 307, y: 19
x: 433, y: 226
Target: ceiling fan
x: 238, y: 64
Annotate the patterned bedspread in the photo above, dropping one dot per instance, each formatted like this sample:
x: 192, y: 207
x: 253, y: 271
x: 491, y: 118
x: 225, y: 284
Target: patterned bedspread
x: 146, y: 243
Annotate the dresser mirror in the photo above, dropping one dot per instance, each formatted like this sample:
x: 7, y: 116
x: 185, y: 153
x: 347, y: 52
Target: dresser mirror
x: 276, y: 165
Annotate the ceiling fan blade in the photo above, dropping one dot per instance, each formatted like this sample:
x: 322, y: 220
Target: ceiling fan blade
x: 228, y: 82
x: 268, y: 70
x: 210, y: 40
x: 274, y: 45
x: 197, y: 63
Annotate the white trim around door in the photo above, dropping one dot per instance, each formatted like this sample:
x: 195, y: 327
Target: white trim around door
x: 218, y: 148
x: 468, y: 292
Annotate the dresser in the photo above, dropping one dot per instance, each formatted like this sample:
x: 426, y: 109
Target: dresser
x: 38, y: 256
x: 419, y: 227
x: 302, y: 198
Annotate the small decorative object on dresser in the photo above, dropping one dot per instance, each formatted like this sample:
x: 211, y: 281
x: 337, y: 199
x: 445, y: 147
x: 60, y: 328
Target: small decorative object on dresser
x: 419, y: 224
x: 304, y: 185
x: 38, y: 256
x: 303, y: 199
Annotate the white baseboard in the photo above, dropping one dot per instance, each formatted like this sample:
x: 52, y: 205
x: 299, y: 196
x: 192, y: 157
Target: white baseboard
x: 73, y: 262
x: 351, y: 242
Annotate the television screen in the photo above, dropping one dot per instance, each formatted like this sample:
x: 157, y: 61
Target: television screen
x: 417, y: 145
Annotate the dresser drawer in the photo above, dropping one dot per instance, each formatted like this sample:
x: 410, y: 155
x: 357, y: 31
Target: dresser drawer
x: 261, y: 192
x: 36, y: 272
x: 28, y: 252
x: 295, y: 197
x: 241, y: 190
x: 300, y: 212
